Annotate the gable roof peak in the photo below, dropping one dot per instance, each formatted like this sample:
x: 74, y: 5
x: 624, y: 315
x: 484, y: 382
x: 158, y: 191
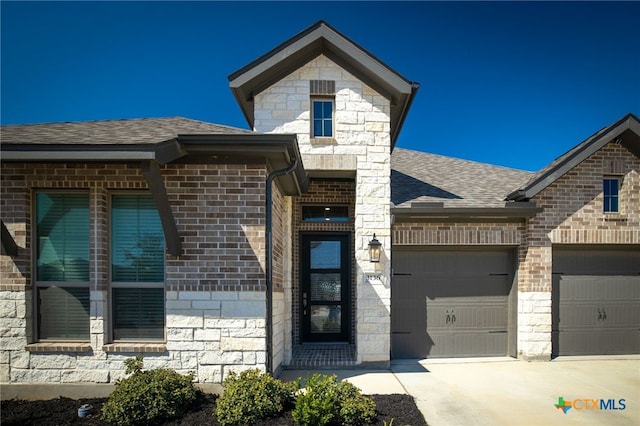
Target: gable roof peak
x: 322, y: 39
x: 625, y: 131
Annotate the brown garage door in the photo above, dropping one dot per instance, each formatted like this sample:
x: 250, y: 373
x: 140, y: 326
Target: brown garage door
x: 596, y: 300
x: 450, y: 303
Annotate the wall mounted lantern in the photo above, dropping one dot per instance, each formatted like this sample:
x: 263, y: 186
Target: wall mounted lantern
x: 374, y: 250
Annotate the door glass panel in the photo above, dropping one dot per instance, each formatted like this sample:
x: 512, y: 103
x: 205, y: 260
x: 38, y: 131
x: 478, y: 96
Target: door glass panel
x: 325, y: 254
x: 325, y: 287
x: 325, y: 319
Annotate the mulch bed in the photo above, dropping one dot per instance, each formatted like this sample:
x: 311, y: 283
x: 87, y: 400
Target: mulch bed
x: 64, y: 411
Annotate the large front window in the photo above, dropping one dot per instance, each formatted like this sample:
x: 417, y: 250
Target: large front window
x: 137, y: 268
x: 62, y: 266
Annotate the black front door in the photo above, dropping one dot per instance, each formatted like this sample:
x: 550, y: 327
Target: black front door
x: 326, y: 286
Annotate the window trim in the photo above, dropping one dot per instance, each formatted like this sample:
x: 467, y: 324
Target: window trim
x: 606, y: 198
x: 110, y: 340
x: 323, y: 98
x: 38, y: 284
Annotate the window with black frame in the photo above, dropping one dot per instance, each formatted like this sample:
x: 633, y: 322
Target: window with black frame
x: 62, y: 265
x: 137, y: 268
x: 611, y: 194
x: 325, y: 213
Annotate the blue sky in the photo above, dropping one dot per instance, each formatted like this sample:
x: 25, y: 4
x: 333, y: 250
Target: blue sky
x: 508, y: 83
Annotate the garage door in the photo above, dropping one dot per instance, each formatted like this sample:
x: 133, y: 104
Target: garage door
x: 450, y: 303
x: 596, y: 300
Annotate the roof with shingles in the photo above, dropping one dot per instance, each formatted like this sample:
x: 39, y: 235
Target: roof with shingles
x: 110, y: 132
x: 418, y: 177
x: 626, y: 131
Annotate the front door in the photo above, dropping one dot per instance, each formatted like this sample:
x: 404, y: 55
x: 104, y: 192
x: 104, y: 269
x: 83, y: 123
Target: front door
x: 326, y: 286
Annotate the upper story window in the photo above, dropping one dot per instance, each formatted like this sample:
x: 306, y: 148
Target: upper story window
x: 322, y: 111
x: 137, y: 268
x: 62, y: 266
x: 611, y: 191
x: 322, y: 108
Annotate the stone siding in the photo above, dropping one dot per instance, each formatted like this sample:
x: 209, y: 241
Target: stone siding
x: 361, y: 146
x: 215, y: 291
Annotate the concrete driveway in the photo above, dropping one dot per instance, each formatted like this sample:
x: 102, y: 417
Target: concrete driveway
x: 511, y: 392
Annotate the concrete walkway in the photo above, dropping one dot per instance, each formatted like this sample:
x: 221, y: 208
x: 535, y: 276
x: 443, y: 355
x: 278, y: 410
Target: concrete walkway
x: 504, y: 391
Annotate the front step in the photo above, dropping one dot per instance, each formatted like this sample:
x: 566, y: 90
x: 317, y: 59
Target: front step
x: 323, y: 355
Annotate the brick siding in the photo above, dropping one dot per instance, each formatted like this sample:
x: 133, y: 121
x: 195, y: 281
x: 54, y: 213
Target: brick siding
x: 214, y: 291
x: 573, y: 214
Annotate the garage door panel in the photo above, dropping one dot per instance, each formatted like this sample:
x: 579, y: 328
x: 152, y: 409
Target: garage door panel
x: 596, y: 300
x: 618, y: 315
x: 438, y: 316
x: 474, y: 344
x: 622, y: 288
x: 463, y: 303
x: 467, y: 285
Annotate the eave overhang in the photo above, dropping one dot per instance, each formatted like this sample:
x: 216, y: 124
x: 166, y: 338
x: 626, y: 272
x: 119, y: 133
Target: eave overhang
x: 322, y: 39
x: 517, y: 212
x: 277, y: 151
x: 274, y: 150
x: 625, y: 131
x: 163, y: 152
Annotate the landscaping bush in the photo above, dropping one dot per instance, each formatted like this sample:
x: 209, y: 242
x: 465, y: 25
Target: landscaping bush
x: 252, y: 396
x: 148, y: 397
x: 355, y: 408
x: 327, y: 401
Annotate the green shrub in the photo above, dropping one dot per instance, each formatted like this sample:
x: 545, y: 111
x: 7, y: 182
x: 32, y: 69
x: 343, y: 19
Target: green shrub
x: 318, y: 404
x: 327, y: 401
x: 147, y: 397
x: 252, y: 396
x: 355, y: 408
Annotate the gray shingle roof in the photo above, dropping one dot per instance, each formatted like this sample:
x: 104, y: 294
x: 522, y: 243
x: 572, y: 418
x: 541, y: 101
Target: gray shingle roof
x: 132, y: 131
x: 626, y: 130
x: 418, y: 177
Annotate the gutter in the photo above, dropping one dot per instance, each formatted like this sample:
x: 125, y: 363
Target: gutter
x: 269, y: 258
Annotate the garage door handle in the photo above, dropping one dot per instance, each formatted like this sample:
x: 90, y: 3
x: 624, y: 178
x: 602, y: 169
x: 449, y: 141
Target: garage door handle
x: 453, y: 317
x: 602, y: 315
x: 448, y: 318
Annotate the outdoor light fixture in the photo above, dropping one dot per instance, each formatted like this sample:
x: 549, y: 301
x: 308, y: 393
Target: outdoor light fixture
x: 374, y: 250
